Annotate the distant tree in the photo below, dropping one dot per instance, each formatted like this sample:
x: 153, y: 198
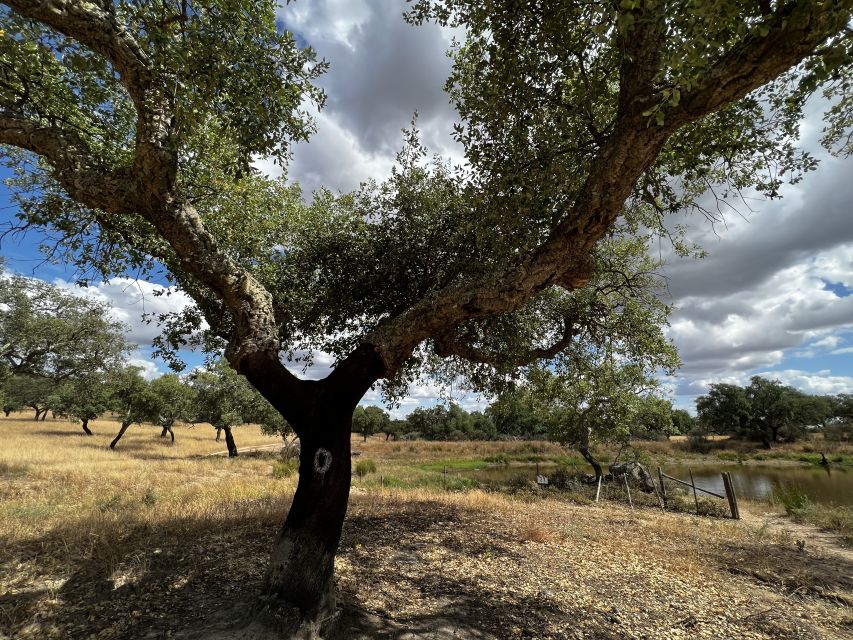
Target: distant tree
x: 840, y: 425
x: 174, y: 401
x: 273, y: 423
x: 600, y: 404
x: 427, y: 422
x: 370, y: 420
x: 48, y: 332
x: 222, y: 398
x: 10, y: 401
x: 483, y: 427
x: 765, y: 410
x: 394, y: 429
x: 682, y: 422
x: 131, y: 399
x: 26, y: 390
x: 513, y: 413
x: 724, y: 409
x: 84, y: 398
x: 460, y: 423
x: 653, y: 418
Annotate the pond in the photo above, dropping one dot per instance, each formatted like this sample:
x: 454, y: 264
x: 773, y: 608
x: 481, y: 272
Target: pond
x: 752, y: 482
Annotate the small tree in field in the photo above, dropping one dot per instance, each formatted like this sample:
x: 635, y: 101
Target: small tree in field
x: 224, y: 399
x: 131, y: 399
x: 24, y: 390
x: 85, y: 398
x: 370, y: 420
x: 174, y: 401
x: 132, y: 128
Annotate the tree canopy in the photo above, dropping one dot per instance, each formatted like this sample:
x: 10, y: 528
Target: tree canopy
x: 51, y: 333
x: 131, y: 127
x: 764, y: 410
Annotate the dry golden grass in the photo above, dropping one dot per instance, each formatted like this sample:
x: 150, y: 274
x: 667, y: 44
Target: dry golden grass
x: 58, y: 480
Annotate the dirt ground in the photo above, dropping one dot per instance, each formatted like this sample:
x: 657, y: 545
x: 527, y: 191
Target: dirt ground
x: 455, y: 566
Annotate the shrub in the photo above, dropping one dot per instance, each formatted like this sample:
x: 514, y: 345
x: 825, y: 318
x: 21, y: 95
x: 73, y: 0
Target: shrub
x: 284, y: 468
x: 363, y: 467
x: 796, y: 502
x: 500, y: 458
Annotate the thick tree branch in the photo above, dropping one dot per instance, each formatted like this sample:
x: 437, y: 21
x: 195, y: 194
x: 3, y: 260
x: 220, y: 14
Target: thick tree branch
x: 75, y: 168
x: 450, y: 344
x: 97, y: 29
x: 793, y: 33
x: 641, y: 43
x: 796, y: 30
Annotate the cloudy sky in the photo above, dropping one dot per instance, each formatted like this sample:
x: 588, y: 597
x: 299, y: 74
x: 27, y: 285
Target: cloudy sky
x: 772, y: 298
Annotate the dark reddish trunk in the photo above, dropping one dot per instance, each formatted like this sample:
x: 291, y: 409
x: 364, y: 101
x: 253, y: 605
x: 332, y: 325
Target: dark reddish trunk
x: 38, y: 414
x: 124, y: 426
x: 229, y: 442
x: 7, y: 412
x: 43, y: 415
x: 167, y: 431
x: 86, y: 429
x: 365, y: 436
x: 299, y: 583
x: 301, y: 571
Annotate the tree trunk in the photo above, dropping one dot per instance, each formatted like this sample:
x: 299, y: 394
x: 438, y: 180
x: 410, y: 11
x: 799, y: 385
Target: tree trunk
x: 38, y: 413
x: 585, y: 452
x: 301, y: 571
x: 592, y: 461
x: 86, y: 429
x: 7, y: 412
x: 365, y: 436
x: 43, y: 415
x: 164, y: 432
x: 229, y: 442
x: 124, y: 426
x: 171, y: 433
x: 218, y: 433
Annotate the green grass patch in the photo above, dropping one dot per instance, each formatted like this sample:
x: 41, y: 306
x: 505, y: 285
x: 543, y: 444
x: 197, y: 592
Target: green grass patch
x: 423, y: 481
x: 461, y: 464
x: 364, y: 467
x: 284, y: 468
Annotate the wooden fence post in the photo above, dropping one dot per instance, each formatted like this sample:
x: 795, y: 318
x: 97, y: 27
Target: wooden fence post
x: 729, y: 485
x: 695, y: 497
x: 598, y: 491
x: 631, y: 502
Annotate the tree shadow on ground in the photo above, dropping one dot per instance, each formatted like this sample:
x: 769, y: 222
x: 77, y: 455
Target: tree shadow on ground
x: 793, y: 571
x: 62, y: 432
x: 187, y: 576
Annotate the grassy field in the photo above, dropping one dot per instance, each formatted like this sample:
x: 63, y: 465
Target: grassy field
x: 155, y: 539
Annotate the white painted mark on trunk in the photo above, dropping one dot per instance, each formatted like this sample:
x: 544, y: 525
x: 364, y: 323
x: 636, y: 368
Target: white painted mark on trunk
x: 322, y: 461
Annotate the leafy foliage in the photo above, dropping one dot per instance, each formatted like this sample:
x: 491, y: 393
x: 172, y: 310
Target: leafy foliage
x: 765, y: 410
x: 51, y: 333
